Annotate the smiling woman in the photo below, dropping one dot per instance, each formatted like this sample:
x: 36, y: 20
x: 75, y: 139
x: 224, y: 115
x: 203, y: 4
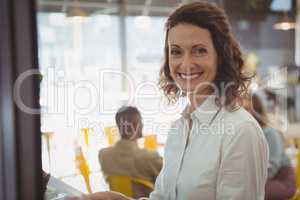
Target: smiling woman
x: 210, y: 45
x: 203, y: 158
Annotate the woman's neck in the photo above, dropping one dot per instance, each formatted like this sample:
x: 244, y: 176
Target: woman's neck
x: 197, y: 99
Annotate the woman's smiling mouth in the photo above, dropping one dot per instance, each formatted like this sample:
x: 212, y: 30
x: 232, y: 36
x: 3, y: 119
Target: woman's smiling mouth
x: 190, y: 76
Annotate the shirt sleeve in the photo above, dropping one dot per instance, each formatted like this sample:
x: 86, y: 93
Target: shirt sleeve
x: 243, y: 164
x: 276, y: 149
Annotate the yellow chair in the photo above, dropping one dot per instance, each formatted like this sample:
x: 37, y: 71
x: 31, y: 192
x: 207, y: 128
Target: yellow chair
x: 150, y: 142
x: 112, y: 134
x: 86, y: 132
x: 123, y: 184
x: 83, y: 167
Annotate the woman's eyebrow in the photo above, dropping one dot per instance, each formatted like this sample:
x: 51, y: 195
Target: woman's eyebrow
x: 194, y: 46
x: 199, y: 45
x: 175, y: 45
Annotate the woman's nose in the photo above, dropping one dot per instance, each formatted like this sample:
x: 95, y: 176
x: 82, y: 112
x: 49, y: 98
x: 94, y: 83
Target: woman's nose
x: 187, y: 61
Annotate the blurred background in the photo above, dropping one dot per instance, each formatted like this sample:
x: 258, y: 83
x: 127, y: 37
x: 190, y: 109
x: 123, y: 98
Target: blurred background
x: 96, y: 55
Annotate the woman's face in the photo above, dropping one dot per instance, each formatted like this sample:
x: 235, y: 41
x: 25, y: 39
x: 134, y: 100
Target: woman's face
x: 192, y: 58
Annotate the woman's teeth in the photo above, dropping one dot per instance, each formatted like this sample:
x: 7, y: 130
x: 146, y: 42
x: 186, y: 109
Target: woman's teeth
x: 189, y: 76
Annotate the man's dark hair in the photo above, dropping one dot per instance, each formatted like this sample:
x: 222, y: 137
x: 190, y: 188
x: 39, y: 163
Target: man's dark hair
x: 127, y: 118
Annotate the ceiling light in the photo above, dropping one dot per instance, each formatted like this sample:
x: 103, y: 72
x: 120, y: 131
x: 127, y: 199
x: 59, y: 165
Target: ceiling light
x: 76, y: 12
x: 284, y: 23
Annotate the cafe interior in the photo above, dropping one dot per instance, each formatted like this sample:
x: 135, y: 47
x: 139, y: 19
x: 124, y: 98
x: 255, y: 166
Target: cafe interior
x: 95, y: 56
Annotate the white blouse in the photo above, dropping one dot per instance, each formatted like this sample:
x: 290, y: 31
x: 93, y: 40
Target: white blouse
x: 224, y: 156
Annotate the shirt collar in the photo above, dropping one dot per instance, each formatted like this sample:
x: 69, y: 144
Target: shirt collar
x: 206, y: 112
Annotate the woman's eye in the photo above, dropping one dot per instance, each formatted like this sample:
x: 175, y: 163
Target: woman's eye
x: 200, y: 51
x: 175, y: 52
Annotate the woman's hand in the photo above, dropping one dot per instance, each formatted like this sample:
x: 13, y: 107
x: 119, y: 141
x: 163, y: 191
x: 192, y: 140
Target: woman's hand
x: 102, y: 196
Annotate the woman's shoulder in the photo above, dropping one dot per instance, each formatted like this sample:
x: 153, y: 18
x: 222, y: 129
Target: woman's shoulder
x: 239, y: 117
x: 245, y: 127
x: 243, y: 124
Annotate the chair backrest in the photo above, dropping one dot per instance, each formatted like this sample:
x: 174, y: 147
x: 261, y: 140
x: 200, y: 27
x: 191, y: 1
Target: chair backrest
x: 83, y: 167
x: 85, y: 132
x: 123, y: 184
x: 150, y: 142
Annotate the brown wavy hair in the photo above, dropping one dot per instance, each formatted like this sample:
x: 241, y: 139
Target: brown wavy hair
x: 230, y: 62
x: 255, y: 106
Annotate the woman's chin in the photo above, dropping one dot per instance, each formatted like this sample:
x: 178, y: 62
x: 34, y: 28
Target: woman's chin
x: 196, y: 91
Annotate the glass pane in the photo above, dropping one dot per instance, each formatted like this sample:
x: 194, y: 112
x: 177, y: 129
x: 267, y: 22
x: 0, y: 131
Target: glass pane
x: 73, y: 54
x: 83, y: 85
